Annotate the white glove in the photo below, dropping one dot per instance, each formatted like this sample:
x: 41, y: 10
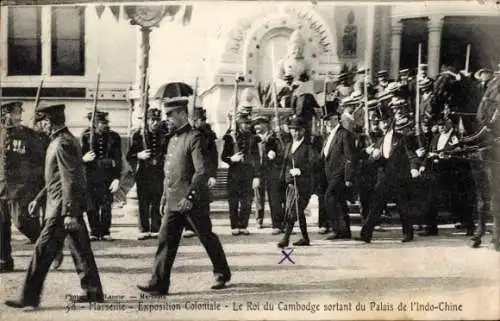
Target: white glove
x: 421, y: 169
x: 255, y: 183
x: 238, y: 157
x: 420, y: 152
x: 295, y: 171
x: 211, y: 181
x: 369, y: 149
x: 271, y: 155
x: 376, y: 153
x: 113, y: 187
x: 88, y: 157
x: 145, y: 154
x: 414, y: 173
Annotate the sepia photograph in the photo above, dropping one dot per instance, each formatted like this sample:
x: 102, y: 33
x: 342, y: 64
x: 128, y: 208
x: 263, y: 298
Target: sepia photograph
x: 249, y: 160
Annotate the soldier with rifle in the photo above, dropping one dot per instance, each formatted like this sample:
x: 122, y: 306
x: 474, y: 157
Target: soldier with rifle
x: 147, y: 162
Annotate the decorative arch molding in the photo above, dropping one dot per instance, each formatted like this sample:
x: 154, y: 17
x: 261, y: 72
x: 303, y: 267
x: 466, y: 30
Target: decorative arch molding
x: 244, y: 37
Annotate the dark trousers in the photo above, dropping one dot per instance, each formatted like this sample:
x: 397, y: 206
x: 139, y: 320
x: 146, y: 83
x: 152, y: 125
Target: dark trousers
x: 99, y: 209
x: 495, y: 186
x: 323, y: 220
x: 302, y: 200
x: 149, y: 196
x: 169, y: 238
x: 240, y: 196
x: 386, y: 187
x: 15, y: 210
x: 482, y: 183
x: 336, y: 207
x: 51, y: 242
x: 271, y: 184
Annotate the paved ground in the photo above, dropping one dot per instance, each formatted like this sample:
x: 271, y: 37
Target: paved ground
x: 437, y: 277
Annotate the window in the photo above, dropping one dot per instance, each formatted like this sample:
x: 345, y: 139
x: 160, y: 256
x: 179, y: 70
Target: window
x: 68, y: 46
x: 24, y: 41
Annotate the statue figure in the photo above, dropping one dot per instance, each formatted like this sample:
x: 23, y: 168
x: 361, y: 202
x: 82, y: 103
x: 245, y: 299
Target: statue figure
x: 294, y: 64
x: 350, y: 36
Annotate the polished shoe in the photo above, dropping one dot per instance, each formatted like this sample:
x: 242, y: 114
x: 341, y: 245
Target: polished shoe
x: 18, y: 304
x: 283, y: 243
x: 475, y: 242
x: 426, y: 232
x: 244, y: 231
x: 89, y: 297
x: 219, y: 284
x: 94, y: 238
x: 338, y: 236
x: 235, y: 231
x: 323, y: 230
x: 7, y: 267
x: 107, y: 237
x: 276, y: 231
x: 153, y: 290
x: 301, y: 242
x: 362, y: 239
x: 406, y: 239
x: 260, y: 223
x: 188, y: 234
x: 154, y: 235
x: 143, y: 236
x: 56, y: 264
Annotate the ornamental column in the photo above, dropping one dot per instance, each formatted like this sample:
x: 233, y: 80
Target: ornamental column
x: 396, y: 32
x: 435, y: 27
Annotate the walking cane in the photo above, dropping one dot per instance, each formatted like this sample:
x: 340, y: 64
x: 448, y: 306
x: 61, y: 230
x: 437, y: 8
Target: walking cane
x: 296, y: 191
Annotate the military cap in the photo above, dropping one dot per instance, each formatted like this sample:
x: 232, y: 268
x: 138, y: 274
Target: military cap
x: 362, y: 70
x: 423, y: 66
x: 154, y: 114
x: 382, y: 74
x: 297, y: 122
x: 48, y: 110
x: 10, y: 106
x: 402, y: 123
x: 260, y: 119
x: 404, y: 71
x: 99, y: 114
x: 171, y: 104
x: 478, y: 73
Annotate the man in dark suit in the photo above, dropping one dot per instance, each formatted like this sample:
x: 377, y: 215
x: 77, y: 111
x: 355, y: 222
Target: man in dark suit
x: 185, y: 200
x: 395, y: 162
x: 268, y: 169
x: 298, y: 169
x: 338, y: 161
x: 242, y: 156
x: 21, y: 170
x: 147, y: 164
x: 103, y: 166
x: 65, y: 183
x: 304, y: 103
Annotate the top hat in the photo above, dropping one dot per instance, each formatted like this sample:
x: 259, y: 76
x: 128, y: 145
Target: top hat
x: 478, y: 73
x: 331, y: 109
x: 10, y: 106
x: 297, y: 122
x: 48, y: 110
x: 171, y: 104
x: 382, y: 73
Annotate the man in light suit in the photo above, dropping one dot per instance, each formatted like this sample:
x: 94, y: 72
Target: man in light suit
x: 65, y: 183
x: 338, y: 161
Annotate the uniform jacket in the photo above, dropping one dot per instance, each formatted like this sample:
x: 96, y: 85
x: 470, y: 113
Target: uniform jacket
x: 108, y: 163
x: 247, y: 144
x: 64, y: 176
x: 304, y: 158
x: 402, y: 157
x: 152, y: 168
x: 21, y: 162
x: 186, y: 169
x: 341, y: 160
x: 212, y: 153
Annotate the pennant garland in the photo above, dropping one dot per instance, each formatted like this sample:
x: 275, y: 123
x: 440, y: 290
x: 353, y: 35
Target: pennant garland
x: 115, y: 10
x: 188, y: 12
x: 100, y: 9
x: 172, y: 11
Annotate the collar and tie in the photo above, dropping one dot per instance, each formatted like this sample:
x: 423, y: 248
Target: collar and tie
x: 329, y: 141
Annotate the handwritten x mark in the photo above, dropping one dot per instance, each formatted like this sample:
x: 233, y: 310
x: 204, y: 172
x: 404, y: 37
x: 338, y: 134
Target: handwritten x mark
x: 286, y: 255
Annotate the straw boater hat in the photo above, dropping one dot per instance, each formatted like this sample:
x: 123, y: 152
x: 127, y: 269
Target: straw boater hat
x: 478, y: 73
x: 425, y: 83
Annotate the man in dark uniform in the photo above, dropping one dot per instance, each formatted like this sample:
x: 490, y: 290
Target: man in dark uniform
x: 185, y: 200
x: 299, y: 164
x: 65, y: 183
x: 338, y: 164
x: 269, y: 171
x: 395, y: 162
x: 21, y: 165
x: 147, y: 162
x: 103, y: 165
x: 242, y: 175
x: 382, y: 81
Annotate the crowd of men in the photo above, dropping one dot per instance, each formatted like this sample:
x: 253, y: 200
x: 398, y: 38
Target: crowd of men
x: 367, y: 144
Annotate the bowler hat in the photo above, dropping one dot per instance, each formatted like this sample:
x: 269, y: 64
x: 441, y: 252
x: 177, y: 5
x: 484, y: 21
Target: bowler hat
x: 297, y: 122
x: 10, y: 106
